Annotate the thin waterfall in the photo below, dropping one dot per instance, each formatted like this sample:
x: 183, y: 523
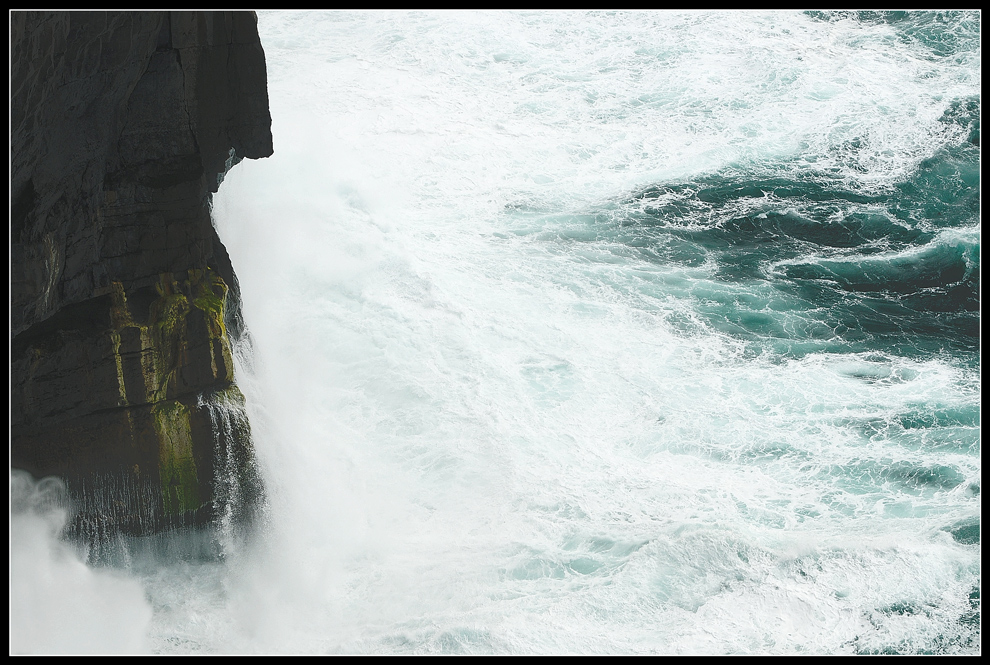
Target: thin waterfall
x: 111, y: 518
x: 237, y: 492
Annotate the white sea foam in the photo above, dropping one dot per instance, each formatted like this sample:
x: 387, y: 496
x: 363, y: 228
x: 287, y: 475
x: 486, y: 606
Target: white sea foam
x: 515, y: 451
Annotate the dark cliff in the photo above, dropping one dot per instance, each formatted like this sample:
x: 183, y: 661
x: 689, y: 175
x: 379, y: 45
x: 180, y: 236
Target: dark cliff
x: 123, y: 300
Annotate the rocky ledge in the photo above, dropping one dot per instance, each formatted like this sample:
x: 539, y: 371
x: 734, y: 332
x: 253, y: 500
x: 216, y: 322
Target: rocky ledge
x: 124, y: 304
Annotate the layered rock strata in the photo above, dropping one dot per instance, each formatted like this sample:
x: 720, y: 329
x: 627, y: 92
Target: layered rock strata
x: 124, y: 303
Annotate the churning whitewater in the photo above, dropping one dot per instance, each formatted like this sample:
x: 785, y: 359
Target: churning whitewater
x: 606, y: 332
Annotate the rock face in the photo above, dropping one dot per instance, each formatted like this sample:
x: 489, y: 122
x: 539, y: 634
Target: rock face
x: 123, y: 300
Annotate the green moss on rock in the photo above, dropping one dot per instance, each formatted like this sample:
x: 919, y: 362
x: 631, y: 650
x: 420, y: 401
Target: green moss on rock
x: 184, y: 332
x: 176, y: 466
x: 178, y: 350
x: 209, y: 293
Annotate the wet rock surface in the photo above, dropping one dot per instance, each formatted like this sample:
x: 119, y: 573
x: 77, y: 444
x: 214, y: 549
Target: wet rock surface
x: 123, y: 124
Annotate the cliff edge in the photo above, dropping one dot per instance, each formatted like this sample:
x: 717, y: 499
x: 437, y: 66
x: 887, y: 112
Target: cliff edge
x: 123, y: 300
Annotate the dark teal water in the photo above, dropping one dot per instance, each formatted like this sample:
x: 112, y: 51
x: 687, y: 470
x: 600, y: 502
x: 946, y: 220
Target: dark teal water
x: 802, y: 261
x: 830, y: 268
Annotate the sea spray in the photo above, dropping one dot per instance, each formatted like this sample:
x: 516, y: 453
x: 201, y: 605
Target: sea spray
x: 59, y: 605
x: 548, y: 363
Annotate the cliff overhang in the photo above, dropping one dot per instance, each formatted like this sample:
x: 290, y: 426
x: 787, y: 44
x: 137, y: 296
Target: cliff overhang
x: 124, y: 304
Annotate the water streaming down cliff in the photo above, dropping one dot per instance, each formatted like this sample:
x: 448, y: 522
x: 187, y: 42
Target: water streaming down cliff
x: 605, y: 332
x: 237, y: 487
x: 111, y: 519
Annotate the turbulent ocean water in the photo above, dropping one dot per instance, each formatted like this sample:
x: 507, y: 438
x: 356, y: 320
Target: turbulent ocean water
x: 606, y: 332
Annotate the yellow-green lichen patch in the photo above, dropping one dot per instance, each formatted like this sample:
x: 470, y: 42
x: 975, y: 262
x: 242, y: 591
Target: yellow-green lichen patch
x: 175, y: 354
x: 120, y: 313
x: 149, y: 363
x: 120, y: 317
x: 176, y: 466
x: 167, y: 324
x: 121, y: 389
x: 209, y: 294
x: 231, y: 394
